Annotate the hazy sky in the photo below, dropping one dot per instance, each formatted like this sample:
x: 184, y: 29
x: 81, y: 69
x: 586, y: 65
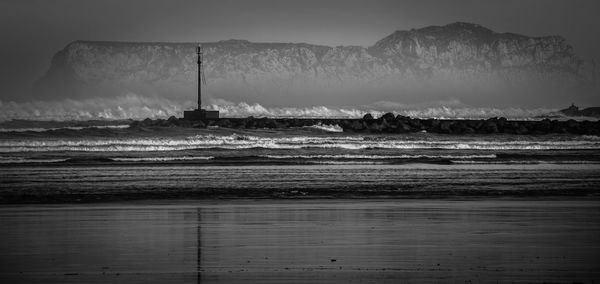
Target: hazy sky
x: 33, y: 30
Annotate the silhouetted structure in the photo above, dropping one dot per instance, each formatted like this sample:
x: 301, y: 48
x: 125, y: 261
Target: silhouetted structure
x: 199, y: 113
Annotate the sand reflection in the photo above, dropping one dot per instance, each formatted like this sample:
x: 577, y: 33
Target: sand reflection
x: 301, y: 241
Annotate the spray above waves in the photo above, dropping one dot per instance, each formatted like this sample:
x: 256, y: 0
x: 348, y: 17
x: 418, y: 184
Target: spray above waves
x: 133, y: 106
x: 441, y: 110
x: 39, y: 129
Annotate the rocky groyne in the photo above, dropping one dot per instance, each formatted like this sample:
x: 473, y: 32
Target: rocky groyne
x: 390, y: 123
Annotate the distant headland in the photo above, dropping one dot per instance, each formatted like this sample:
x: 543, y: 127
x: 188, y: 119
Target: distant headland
x: 398, y: 66
x: 574, y: 111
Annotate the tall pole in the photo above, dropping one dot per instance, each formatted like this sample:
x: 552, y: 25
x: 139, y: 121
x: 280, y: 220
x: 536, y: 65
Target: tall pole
x: 199, y: 52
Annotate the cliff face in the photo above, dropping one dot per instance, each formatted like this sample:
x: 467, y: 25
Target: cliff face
x: 458, y: 52
x: 462, y: 46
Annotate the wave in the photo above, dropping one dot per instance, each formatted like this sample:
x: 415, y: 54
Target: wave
x: 327, y: 127
x: 381, y: 157
x: 129, y: 106
x: 22, y: 160
x: 525, y: 162
x: 134, y: 106
x: 590, y: 137
x: 438, y: 110
x: 39, y: 129
x: 237, y: 142
x: 162, y: 159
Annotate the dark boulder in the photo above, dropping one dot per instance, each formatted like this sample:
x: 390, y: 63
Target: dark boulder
x: 199, y: 124
x: 357, y: 125
x: 224, y: 123
x: 403, y: 127
x: 388, y: 117
x: 402, y: 117
x: 521, y: 129
x: 250, y: 122
x: 462, y: 127
x: 270, y: 124
x: 147, y: 122
x: 173, y: 121
x: 135, y: 124
x: 445, y: 127
x: 414, y: 123
x: 185, y: 123
x: 490, y: 126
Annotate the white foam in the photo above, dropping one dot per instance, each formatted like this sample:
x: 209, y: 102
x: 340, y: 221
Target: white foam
x: 290, y: 142
x: 327, y: 127
x: 525, y: 162
x: 161, y: 159
x: 134, y: 106
x: 39, y: 129
x: 21, y: 160
x: 590, y: 137
x: 381, y: 157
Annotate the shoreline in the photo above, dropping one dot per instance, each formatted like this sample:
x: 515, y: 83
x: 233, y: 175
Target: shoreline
x: 234, y: 202
x: 296, y: 195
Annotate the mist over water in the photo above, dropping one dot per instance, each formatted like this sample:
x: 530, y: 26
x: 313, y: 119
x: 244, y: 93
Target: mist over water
x: 133, y: 106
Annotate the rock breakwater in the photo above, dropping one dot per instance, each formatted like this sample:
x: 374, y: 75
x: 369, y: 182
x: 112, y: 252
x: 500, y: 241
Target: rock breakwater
x: 390, y: 123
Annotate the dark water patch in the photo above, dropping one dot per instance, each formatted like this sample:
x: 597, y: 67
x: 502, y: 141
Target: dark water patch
x: 349, y: 192
x: 88, y: 160
x: 419, y: 180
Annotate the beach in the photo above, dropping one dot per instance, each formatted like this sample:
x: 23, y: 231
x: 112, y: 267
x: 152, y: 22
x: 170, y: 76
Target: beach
x: 311, y: 204
x: 508, y: 240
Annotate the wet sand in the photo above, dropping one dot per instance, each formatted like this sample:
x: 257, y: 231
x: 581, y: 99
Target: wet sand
x: 101, y: 183
x: 302, y: 241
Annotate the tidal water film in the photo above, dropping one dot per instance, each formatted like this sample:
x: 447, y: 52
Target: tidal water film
x: 304, y: 241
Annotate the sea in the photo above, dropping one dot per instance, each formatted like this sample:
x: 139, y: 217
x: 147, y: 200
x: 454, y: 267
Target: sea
x: 296, y: 162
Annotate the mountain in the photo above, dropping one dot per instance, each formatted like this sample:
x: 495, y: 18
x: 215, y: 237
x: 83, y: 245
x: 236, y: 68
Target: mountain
x: 455, y: 60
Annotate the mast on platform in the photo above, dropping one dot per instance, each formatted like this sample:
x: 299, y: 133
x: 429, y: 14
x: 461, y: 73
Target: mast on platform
x: 201, y: 78
x: 199, y: 113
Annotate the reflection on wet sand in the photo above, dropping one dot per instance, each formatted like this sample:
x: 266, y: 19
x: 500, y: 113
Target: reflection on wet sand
x: 302, y: 241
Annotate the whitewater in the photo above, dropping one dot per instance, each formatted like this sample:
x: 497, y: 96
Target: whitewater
x: 134, y: 106
x: 318, y: 143
x: 106, y: 162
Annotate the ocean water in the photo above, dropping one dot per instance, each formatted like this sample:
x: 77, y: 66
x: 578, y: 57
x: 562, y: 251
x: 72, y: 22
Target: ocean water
x: 114, y: 158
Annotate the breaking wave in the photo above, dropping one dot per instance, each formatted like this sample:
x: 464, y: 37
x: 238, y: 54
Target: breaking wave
x: 235, y: 141
x: 381, y: 157
x: 23, y: 160
x: 38, y: 129
x: 133, y: 106
x: 327, y: 127
x: 440, y: 110
x: 162, y: 159
x: 130, y: 106
x: 525, y: 162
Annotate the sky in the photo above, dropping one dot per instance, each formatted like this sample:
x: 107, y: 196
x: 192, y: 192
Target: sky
x: 33, y: 30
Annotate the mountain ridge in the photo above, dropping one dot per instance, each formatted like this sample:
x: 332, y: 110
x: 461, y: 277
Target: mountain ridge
x: 458, y: 52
